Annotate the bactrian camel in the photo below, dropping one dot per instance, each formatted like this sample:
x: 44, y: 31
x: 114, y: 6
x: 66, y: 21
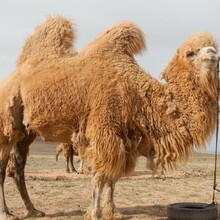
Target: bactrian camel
x: 69, y: 151
x: 103, y: 93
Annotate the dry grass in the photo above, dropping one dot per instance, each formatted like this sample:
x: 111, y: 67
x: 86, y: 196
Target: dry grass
x: 66, y: 196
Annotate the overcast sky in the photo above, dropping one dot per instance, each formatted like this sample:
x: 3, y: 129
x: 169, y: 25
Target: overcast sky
x: 165, y: 23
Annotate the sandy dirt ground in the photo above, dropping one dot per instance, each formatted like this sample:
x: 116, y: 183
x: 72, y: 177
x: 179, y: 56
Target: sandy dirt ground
x: 139, y: 197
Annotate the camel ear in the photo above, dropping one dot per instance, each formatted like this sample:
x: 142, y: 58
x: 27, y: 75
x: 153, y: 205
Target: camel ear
x: 162, y: 75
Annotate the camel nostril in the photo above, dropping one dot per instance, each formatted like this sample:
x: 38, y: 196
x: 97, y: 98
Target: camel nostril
x: 211, y: 50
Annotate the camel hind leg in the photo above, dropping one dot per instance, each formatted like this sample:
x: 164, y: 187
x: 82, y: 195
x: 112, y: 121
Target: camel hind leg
x: 71, y: 161
x: 20, y: 152
x: 67, y: 164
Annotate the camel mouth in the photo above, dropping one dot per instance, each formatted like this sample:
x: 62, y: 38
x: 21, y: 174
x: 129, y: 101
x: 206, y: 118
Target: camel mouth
x: 209, y: 54
x: 212, y: 59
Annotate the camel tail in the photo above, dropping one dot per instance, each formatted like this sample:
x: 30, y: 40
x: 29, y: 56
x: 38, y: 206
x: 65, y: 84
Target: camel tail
x: 52, y: 39
x: 59, y: 150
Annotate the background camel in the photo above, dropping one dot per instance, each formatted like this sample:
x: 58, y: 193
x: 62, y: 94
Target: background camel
x: 69, y: 150
x: 103, y: 93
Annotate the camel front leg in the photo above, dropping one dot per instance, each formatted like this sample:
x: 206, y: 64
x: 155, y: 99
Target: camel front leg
x: 20, y: 152
x: 67, y: 164
x: 108, y: 203
x: 94, y: 212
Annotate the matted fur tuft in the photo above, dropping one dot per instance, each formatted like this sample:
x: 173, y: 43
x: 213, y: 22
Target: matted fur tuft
x: 52, y: 39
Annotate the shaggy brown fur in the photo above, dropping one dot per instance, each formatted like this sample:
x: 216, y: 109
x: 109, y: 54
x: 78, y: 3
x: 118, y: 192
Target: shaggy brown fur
x: 103, y: 91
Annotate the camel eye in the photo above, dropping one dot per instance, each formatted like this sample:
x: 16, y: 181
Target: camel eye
x: 190, y: 53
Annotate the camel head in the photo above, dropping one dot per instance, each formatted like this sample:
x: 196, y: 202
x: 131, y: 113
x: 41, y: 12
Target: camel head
x: 197, y: 55
x: 200, y: 52
x: 195, y: 61
x: 206, y: 59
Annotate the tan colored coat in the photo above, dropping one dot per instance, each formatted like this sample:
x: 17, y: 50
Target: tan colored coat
x: 103, y: 92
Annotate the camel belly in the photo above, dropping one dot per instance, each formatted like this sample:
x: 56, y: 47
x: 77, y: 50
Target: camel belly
x: 52, y: 128
x: 54, y: 134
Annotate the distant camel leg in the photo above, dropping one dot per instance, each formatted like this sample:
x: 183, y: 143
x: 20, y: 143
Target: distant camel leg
x: 108, y: 203
x: 67, y: 164
x: 58, y: 152
x: 4, y: 157
x: 94, y: 212
x: 20, y: 151
x: 71, y: 161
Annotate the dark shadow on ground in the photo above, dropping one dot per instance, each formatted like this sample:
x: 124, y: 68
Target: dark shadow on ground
x: 153, y: 211
x: 67, y: 214
x: 159, y: 211
x: 127, y: 213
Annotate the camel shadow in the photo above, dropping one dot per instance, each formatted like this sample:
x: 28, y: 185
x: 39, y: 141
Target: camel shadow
x: 155, y: 211
x: 158, y: 211
x: 76, y: 213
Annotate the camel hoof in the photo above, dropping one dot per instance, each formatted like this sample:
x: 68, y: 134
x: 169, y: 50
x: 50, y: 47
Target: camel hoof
x: 87, y: 216
x: 116, y: 216
x: 94, y: 215
x: 79, y: 171
x: 112, y: 216
x: 35, y: 213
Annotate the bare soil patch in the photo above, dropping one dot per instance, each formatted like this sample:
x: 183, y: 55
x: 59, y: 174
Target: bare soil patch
x: 67, y: 196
